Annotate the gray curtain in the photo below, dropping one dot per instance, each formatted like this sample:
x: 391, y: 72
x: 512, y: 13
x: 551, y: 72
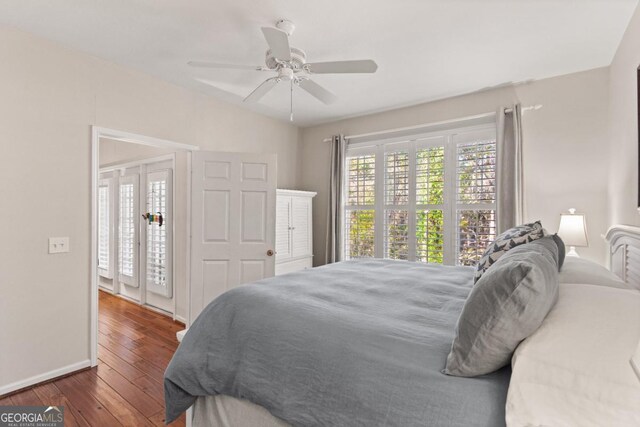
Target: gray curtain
x: 510, y: 200
x: 335, y: 214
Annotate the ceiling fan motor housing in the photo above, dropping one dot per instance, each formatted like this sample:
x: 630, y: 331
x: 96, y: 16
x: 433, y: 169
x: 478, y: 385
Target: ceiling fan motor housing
x: 286, y: 26
x: 298, y: 59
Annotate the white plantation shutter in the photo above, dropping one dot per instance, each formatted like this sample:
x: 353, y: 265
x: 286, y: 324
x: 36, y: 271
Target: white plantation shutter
x: 128, y: 230
x: 105, y: 227
x: 360, y: 205
x: 158, y: 256
x: 475, y: 194
x: 430, y: 198
x: 396, y: 202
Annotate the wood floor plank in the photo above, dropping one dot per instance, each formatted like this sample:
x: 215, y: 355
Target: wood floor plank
x: 155, y: 389
x: 89, y: 407
x: 134, y: 395
x: 122, y: 339
x: 120, y: 408
x: 137, y: 361
x: 126, y: 369
x: 135, y: 346
x: 26, y: 398
x: 50, y: 394
x: 107, y: 339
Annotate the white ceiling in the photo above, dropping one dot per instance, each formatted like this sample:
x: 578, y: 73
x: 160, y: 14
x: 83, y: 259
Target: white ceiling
x: 425, y: 49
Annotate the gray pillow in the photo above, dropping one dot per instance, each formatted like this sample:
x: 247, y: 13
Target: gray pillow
x: 508, y: 304
x: 509, y: 239
x: 561, y: 250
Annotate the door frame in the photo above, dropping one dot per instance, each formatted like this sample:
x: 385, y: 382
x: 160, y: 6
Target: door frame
x: 98, y: 132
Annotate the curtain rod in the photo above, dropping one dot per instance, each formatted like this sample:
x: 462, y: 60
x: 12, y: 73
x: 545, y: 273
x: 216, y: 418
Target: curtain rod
x: 479, y: 116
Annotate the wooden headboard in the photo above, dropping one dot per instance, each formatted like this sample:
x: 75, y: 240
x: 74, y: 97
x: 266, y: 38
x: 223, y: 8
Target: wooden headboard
x: 624, y: 253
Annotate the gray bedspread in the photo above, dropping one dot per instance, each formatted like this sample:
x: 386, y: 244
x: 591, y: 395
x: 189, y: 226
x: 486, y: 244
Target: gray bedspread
x: 358, y: 343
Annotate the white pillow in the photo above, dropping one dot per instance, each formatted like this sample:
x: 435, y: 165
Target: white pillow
x: 579, y: 270
x: 574, y: 370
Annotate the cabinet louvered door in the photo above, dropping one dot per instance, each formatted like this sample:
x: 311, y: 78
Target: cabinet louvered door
x: 283, y: 228
x: 128, y: 230
x: 300, y: 226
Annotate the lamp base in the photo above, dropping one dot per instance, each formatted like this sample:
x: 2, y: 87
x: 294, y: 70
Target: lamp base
x: 572, y: 252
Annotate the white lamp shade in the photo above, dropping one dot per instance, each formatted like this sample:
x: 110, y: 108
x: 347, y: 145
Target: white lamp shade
x: 573, y: 230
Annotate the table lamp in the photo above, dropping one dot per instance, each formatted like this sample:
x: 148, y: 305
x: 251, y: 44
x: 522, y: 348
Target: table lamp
x: 573, y: 231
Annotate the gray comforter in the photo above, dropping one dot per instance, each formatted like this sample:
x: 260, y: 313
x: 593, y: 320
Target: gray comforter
x: 355, y: 343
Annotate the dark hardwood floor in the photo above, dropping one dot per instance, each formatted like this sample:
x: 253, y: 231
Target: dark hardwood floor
x: 125, y: 389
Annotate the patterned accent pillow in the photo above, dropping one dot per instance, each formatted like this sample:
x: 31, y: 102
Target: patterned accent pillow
x: 509, y: 239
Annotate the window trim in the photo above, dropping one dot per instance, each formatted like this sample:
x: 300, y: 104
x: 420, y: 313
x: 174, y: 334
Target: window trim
x: 449, y: 139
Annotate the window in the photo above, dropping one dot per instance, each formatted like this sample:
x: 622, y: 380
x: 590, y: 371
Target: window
x: 429, y: 198
x: 128, y: 231
x: 105, y: 261
x: 158, y: 272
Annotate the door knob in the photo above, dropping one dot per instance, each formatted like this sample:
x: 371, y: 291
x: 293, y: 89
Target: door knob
x: 269, y: 252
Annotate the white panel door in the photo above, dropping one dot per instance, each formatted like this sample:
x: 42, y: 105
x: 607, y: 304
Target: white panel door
x: 233, y: 197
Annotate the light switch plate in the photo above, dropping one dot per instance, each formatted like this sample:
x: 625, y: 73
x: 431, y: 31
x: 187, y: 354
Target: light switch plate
x: 58, y: 245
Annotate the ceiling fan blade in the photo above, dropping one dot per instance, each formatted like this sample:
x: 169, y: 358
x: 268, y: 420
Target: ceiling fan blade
x: 278, y: 41
x: 357, y: 66
x: 204, y: 64
x: 318, y: 91
x: 261, y: 90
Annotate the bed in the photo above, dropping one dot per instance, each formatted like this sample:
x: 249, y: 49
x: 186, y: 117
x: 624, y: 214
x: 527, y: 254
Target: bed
x: 356, y: 343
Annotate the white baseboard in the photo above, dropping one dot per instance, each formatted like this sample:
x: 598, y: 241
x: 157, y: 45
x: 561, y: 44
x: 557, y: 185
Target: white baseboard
x: 44, y: 377
x: 180, y: 319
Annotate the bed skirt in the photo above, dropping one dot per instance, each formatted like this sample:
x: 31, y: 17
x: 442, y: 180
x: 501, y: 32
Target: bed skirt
x: 227, y: 411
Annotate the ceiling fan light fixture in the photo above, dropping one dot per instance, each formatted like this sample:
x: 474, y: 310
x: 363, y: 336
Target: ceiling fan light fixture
x: 285, y: 74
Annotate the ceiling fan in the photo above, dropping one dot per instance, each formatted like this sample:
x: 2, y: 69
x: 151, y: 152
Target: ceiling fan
x: 291, y: 66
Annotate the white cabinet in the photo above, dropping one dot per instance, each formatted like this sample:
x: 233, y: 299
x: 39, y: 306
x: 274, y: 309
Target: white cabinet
x: 294, y: 231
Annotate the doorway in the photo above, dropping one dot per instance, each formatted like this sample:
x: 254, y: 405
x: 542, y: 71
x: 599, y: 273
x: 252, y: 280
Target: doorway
x: 226, y: 201
x: 140, y: 224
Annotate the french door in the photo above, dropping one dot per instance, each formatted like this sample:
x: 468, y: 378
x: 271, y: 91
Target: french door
x: 136, y: 233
